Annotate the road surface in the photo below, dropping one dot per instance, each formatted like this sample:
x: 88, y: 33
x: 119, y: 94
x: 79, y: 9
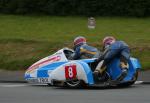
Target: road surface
x: 27, y: 93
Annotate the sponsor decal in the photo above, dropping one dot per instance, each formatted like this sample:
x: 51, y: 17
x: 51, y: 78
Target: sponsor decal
x: 43, y: 80
x: 39, y: 80
x: 43, y: 63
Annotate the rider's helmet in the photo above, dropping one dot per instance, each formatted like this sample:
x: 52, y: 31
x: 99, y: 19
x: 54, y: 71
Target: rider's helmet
x: 79, y: 40
x: 108, y: 40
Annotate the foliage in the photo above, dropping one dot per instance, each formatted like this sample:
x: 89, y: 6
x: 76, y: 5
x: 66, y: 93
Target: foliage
x: 137, y: 8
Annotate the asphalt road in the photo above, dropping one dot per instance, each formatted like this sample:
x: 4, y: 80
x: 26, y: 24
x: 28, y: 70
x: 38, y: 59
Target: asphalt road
x: 25, y: 93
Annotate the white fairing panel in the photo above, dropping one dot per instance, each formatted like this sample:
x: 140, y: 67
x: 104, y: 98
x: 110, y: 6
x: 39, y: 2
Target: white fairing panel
x: 60, y: 73
x: 59, y: 56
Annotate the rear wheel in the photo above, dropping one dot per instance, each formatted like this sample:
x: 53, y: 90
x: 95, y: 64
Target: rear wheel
x: 131, y: 82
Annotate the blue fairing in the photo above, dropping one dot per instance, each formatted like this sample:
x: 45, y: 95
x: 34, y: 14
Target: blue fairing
x: 26, y: 76
x: 43, y: 71
x: 114, y: 68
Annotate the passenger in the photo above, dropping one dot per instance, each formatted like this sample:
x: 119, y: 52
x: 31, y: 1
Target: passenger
x: 112, y: 49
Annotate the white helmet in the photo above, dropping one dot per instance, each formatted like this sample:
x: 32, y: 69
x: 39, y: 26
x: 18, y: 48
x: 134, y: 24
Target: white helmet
x: 108, y: 40
x: 79, y: 40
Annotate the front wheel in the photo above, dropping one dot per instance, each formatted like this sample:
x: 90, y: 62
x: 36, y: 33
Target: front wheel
x: 75, y: 83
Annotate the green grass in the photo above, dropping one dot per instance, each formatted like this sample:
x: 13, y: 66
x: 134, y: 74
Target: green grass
x: 26, y: 39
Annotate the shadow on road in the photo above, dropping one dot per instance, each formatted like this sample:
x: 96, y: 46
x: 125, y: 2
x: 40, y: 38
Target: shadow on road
x: 97, y: 88
x: 88, y: 88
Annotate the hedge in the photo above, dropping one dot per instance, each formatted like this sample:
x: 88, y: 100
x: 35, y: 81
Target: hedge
x: 138, y: 8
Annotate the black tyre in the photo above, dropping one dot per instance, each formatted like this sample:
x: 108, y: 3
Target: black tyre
x: 131, y: 82
x: 49, y: 84
x: 75, y: 84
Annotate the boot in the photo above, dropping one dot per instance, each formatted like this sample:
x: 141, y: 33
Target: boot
x: 122, y: 75
x: 124, y: 67
x: 98, y: 77
x: 98, y: 73
x: 100, y: 67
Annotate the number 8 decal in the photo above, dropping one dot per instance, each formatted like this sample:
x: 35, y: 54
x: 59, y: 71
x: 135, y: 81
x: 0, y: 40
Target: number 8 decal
x: 70, y: 72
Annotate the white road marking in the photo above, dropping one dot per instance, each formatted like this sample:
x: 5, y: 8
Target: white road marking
x: 13, y: 85
x: 138, y: 82
x: 19, y: 85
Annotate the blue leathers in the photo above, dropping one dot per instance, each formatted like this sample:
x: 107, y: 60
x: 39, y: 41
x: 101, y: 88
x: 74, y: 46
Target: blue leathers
x: 84, y: 51
x: 118, y: 48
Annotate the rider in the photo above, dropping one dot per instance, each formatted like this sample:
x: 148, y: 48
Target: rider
x: 83, y: 50
x: 112, y: 49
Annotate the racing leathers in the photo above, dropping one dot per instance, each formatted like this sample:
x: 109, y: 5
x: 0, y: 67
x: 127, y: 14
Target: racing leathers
x: 117, y: 49
x: 84, y: 51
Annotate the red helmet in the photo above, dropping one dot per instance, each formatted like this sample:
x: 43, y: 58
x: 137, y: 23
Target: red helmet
x: 79, y: 40
x: 108, y: 40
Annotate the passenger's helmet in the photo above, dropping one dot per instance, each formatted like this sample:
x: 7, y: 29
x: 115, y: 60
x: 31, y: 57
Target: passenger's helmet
x: 79, y: 40
x: 108, y: 40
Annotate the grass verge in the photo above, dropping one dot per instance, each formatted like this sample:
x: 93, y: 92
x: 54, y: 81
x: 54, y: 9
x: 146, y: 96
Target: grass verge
x: 26, y: 39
